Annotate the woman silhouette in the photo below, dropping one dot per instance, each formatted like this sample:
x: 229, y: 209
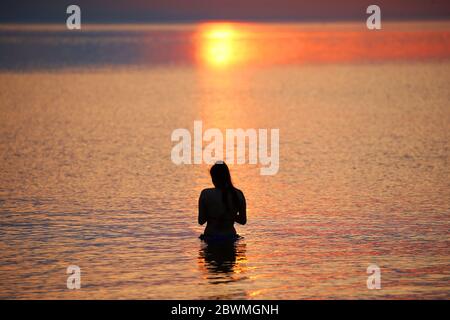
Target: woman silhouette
x: 220, y: 207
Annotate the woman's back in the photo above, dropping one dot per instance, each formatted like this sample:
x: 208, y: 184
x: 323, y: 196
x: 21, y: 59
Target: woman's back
x: 220, y: 208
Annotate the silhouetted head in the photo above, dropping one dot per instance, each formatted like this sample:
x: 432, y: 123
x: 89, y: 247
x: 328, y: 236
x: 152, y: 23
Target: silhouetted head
x: 221, y: 179
x: 220, y: 175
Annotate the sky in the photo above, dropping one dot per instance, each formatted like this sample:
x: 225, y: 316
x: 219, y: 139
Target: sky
x: 200, y: 10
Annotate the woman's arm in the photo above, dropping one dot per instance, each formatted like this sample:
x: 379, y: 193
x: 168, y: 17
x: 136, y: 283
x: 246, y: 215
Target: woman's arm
x: 202, y: 209
x: 241, y: 217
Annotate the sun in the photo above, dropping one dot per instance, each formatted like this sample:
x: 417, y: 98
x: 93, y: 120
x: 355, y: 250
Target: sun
x: 219, y: 46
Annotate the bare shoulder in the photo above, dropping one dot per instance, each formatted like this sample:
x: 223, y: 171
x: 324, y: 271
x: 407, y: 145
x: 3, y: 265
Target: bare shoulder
x: 240, y: 193
x: 207, y: 191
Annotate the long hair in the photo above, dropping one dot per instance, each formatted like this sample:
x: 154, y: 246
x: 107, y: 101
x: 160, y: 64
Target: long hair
x: 221, y: 178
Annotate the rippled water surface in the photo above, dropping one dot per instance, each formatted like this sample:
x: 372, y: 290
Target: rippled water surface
x: 87, y: 179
